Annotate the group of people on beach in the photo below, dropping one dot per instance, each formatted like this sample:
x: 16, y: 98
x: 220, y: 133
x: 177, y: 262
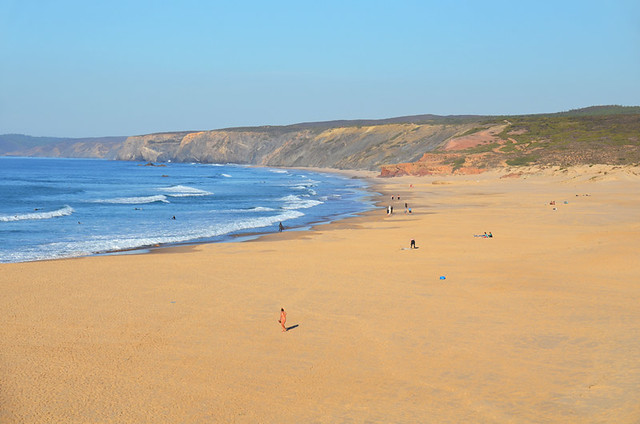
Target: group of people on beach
x: 407, y: 209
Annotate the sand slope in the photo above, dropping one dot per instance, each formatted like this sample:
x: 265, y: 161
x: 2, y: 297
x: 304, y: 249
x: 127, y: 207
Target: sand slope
x: 539, y: 324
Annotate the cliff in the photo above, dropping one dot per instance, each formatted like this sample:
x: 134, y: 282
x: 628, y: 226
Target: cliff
x: 348, y: 147
x: 416, y: 145
x: 566, y: 139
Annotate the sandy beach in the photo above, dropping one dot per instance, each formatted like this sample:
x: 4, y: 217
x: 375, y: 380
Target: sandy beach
x: 540, y: 323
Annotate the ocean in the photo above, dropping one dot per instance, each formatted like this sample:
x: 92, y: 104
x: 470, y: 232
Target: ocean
x: 61, y: 208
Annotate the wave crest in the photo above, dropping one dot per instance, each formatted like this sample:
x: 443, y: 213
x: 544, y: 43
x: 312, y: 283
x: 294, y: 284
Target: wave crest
x: 184, y: 191
x: 67, y: 210
x: 293, y: 202
x: 135, y: 200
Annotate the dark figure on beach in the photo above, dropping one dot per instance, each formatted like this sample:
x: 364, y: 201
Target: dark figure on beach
x: 280, y: 227
x: 413, y: 244
x: 490, y: 235
x: 283, y: 319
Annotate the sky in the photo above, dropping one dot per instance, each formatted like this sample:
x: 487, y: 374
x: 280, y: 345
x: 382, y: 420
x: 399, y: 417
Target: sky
x: 127, y: 67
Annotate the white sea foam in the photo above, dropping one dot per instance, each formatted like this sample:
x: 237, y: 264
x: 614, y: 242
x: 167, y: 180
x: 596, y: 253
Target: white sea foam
x: 135, y: 200
x: 184, y: 191
x: 278, y: 171
x: 261, y: 209
x: 67, y: 210
x: 292, y: 202
x: 112, y: 243
x: 256, y: 209
x: 226, y: 175
x: 306, y: 187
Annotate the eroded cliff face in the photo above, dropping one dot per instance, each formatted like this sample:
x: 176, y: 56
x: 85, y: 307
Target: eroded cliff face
x: 412, y: 145
x: 355, y: 147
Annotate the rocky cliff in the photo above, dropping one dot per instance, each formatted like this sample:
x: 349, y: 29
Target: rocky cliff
x: 417, y: 145
x: 348, y: 147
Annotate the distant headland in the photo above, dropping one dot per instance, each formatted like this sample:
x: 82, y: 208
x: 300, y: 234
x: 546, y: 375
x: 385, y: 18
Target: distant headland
x: 409, y: 145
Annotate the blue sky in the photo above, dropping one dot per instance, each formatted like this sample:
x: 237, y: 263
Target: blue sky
x: 98, y: 68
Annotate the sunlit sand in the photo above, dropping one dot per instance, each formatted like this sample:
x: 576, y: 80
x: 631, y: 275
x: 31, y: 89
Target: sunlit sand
x: 539, y: 323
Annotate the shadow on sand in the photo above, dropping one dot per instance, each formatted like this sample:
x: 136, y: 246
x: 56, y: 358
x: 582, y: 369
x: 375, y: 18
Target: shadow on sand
x: 292, y: 327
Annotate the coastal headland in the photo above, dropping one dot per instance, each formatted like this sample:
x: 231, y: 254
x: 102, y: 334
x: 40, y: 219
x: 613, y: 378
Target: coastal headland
x: 408, y: 145
x: 538, y: 323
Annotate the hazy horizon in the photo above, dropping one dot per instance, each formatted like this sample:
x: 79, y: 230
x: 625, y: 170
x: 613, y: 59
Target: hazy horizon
x: 283, y: 125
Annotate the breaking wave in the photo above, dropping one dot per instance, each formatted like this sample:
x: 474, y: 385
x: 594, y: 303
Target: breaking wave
x: 295, y: 202
x: 67, y: 210
x: 184, y: 191
x: 111, y: 243
x: 135, y: 200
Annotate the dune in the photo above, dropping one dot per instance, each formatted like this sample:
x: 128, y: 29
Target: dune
x: 538, y: 324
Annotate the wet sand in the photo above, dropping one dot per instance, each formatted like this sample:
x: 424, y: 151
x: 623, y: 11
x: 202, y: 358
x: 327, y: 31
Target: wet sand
x: 538, y: 324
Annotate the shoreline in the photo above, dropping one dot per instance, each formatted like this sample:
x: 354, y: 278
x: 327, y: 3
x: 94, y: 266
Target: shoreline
x: 366, y: 176
x: 370, y: 177
x: 243, y: 235
x: 539, y: 323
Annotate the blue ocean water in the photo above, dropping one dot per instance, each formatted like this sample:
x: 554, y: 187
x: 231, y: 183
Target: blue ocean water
x: 56, y: 208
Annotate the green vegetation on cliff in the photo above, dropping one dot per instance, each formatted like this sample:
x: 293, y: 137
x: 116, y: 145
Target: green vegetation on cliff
x: 574, y: 139
x: 599, y: 134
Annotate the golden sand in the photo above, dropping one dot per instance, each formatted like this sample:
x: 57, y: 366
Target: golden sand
x: 540, y: 323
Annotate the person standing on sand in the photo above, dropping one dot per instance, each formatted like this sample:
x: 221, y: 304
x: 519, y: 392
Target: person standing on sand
x: 283, y: 319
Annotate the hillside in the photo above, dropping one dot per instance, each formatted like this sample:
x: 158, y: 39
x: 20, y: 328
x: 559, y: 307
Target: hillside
x: 23, y: 145
x: 583, y: 137
x: 420, y: 144
x: 346, y: 147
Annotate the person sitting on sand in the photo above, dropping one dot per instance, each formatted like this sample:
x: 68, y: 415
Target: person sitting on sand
x: 413, y: 244
x: 283, y: 319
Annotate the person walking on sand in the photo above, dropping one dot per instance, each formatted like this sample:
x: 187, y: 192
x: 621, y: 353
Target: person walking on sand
x: 283, y: 319
x: 280, y: 227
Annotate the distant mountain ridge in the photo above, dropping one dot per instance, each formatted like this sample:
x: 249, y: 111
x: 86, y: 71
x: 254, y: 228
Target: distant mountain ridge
x: 90, y: 147
x: 418, y: 144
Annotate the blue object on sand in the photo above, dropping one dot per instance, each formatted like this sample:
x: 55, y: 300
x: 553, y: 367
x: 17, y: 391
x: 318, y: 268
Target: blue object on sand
x: 442, y: 277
